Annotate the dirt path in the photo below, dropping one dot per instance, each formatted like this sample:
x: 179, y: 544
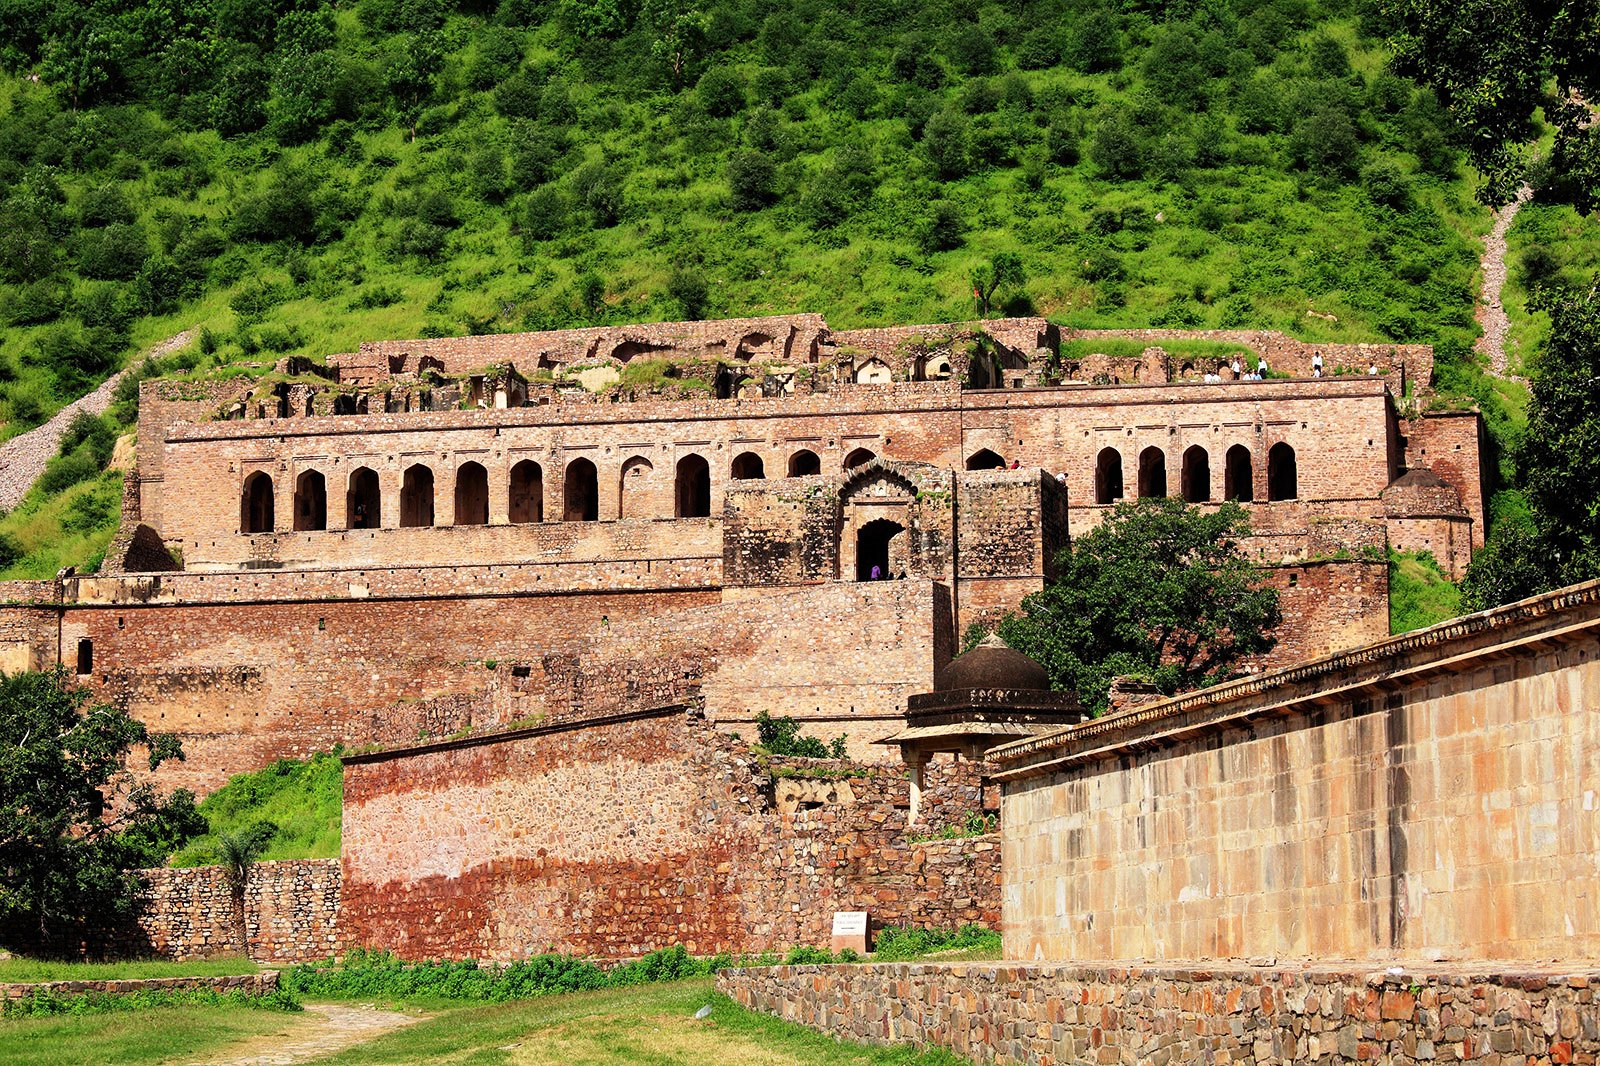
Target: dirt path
x: 1491, y: 312
x: 324, y: 1029
x: 22, y: 458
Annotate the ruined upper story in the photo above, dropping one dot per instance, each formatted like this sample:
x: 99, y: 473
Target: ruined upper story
x: 502, y: 448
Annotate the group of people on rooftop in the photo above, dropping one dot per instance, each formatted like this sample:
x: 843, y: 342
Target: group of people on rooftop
x: 1259, y: 373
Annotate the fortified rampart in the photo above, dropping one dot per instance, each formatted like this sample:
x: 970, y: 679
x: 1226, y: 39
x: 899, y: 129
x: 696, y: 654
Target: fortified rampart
x: 623, y: 834
x: 358, y: 540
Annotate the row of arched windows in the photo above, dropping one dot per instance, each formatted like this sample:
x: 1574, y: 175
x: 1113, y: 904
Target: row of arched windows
x: 1194, y: 477
x: 580, y: 492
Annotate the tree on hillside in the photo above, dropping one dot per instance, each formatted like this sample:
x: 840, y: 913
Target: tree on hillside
x: 1160, y: 589
x: 1004, y: 269
x: 1491, y: 62
x: 1558, y: 462
x: 73, y: 824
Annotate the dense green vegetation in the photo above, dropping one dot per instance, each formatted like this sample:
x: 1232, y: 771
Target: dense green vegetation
x: 1161, y: 590
x: 43, y: 1002
x: 1420, y: 595
x: 66, y: 854
x: 299, y: 178
x: 292, y: 805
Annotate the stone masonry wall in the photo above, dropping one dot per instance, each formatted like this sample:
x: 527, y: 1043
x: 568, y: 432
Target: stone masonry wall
x: 291, y: 913
x: 1086, y: 1013
x: 617, y: 836
x: 1428, y: 796
x: 243, y: 683
x: 251, y: 984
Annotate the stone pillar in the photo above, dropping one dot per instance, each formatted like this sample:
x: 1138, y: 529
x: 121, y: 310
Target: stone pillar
x: 499, y: 493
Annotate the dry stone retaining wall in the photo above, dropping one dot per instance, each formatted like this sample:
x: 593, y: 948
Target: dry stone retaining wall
x: 1071, y: 1013
x: 253, y: 984
x: 291, y: 912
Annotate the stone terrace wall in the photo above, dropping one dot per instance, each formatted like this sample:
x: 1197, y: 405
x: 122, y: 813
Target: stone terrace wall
x: 1079, y: 1014
x: 1426, y: 795
x: 291, y: 913
x: 252, y: 984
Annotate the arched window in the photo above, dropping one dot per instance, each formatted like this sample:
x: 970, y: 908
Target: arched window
x: 1108, y: 476
x: 311, y: 501
x: 874, y: 544
x: 1152, y: 472
x: 85, y: 656
x: 984, y: 459
x: 363, y: 503
x: 581, y: 492
x: 804, y: 462
x: 416, y: 496
x: 527, y: 492
x: 1195, y: 479
x: 1239, y: 475
x: 747, y: 466
x: 859, y: 457
x: 472, y: 495
x: 255, y: 513
x: 1283, y: 479
x: 873, y: 372
x: 693, y: 488
x: 633, y: 488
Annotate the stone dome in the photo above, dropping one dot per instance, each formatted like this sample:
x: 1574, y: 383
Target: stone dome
x: 992, y: 664
x: 1421, y: 492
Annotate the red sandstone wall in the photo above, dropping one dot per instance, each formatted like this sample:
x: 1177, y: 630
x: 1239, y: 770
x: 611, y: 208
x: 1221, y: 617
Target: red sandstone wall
x: 28, y: 631
x: 243, y: 683
x: 1451, y: 446
x: 621, y: 836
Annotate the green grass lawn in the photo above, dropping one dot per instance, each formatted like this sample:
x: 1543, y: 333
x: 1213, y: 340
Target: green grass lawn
x: 182, y: 1034
x: 20, y: 969
x: 652, y: 1024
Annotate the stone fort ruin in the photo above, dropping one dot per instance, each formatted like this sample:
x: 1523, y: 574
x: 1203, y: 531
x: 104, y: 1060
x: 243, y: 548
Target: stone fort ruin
x: 554, y: 571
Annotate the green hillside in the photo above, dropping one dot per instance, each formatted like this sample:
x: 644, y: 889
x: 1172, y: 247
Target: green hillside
x: 299, y: 177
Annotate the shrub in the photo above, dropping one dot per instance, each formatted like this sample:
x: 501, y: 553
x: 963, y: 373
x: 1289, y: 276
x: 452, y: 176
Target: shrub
x: 88, y: 512
x: 781, y: 736
x: 36, y: 304
x: 1386, y: 183
x: 544, y: 214
x: 944, y: 229
x: 947, y: 141
x: 971, y: 50
x: 1326, y: 142
x: 11, y: 551
x: 751, y: 180
x: 114, y: 253
x: 720, y: 92
x: 688, y: 287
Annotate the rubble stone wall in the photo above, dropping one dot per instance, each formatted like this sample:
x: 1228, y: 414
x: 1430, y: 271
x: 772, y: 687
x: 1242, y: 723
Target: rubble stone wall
x: 291, y: 910
x: 1086, y: 1013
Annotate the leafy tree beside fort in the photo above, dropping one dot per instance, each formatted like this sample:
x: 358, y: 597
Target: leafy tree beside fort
x: 1160, y: 589
x: 72, y: 822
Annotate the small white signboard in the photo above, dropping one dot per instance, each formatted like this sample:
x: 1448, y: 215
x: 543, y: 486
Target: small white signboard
x: 849, y: 923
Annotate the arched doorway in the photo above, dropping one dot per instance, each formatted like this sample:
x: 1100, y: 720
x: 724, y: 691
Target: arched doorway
x: 255, y: 512
x: 1195, y: 478
x: 859, y: 457
x: 1283, y: 475
x: 1152, y: 473
x: 472, y: 495
x: 416, y: 497
x: 693, y: 488
x: 363, y: 502
x: 1108, y: 476
x: 804, y: 463
x: 875, y: 550
x: 310, y: 501
x: 633, y: 488
x: 984, y: 459
x: 527, y: 492
x: 747, y: 466
x: 1239, y: 475
x: 581, y: 492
